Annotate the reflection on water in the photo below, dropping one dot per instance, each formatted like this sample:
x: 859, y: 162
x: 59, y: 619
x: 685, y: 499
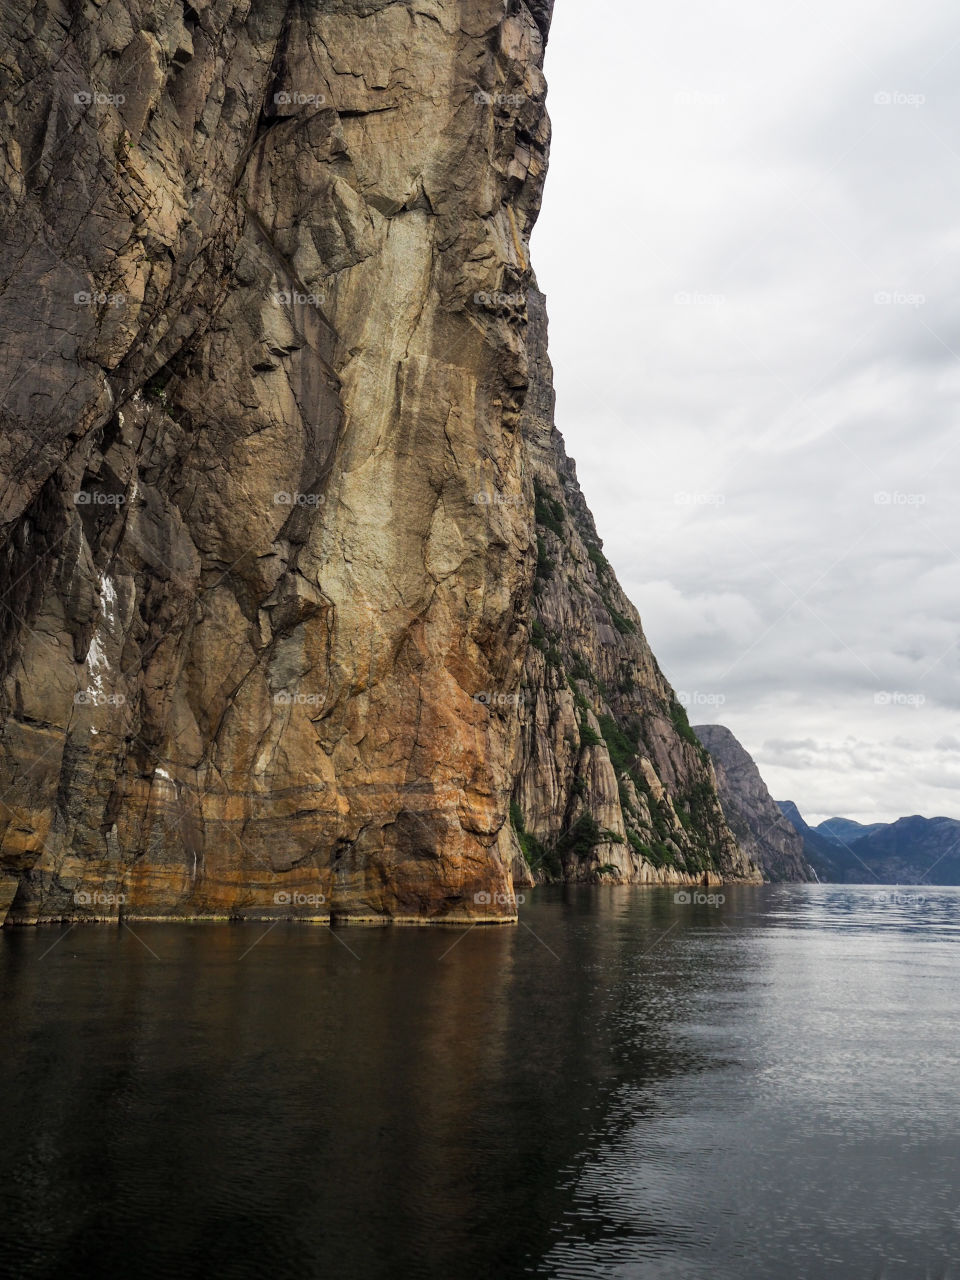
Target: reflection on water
x: 622, y: 1086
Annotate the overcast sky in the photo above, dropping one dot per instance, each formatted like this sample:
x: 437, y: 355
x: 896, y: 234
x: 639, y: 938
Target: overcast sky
x: 749, y: 246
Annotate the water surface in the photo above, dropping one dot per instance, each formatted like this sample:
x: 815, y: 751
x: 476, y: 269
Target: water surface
x: 623, y: 1085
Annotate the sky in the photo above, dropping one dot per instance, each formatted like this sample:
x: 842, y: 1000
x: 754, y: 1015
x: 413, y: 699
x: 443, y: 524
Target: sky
x: 749, y: 246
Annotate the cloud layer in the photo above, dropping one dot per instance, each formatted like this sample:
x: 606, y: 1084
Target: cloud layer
x: 748, y: 243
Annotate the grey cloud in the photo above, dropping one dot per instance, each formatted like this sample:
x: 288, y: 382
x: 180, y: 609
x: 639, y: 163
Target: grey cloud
x: 795, y: 436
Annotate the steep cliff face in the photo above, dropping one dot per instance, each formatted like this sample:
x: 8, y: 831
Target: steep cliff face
x: 269, y: 560
x: 762, y: 830
x: 612, y: 784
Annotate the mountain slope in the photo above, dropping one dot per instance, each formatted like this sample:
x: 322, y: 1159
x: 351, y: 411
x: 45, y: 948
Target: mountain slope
x: 914, y: 850
x: 830, y: 859
x: 613, y: 784
x: 846, y: 831
x: 762, y: 831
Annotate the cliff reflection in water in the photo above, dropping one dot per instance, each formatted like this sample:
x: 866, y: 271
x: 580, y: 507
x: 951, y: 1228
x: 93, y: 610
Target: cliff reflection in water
x: 605, y: 1087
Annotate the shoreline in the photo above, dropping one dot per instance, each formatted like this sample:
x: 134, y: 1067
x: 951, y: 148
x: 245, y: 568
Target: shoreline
x: 367, y: 921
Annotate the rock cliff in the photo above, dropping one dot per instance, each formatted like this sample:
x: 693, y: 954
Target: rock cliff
x: 762, y: 830
x: 300, y: 598
x: 613, y: 783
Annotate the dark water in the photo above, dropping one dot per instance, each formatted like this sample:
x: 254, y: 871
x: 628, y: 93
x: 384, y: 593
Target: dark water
x: 622, y: 1086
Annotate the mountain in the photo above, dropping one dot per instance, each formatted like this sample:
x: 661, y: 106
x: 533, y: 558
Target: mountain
x: 830, y: 859
x: 304, y: 611
x: 845, y: 830
x: 914, y: 850
x: 762, y: 831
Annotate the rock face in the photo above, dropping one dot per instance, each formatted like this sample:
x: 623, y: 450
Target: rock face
x: 754, y: 816
x: 613, y: 784
x: 275, y: 426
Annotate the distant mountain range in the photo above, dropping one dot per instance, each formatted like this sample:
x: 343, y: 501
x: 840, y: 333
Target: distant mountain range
x: 912, y: 850
x: 845, y: 830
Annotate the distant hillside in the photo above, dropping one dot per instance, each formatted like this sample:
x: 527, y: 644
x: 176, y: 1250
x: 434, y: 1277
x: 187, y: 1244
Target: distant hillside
x: 831, y: 860
x: 845, y: 830
x: 762, y: 832
x: 912, y: 850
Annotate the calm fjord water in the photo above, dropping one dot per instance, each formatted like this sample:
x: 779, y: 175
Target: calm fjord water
x: 622, y: 1086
